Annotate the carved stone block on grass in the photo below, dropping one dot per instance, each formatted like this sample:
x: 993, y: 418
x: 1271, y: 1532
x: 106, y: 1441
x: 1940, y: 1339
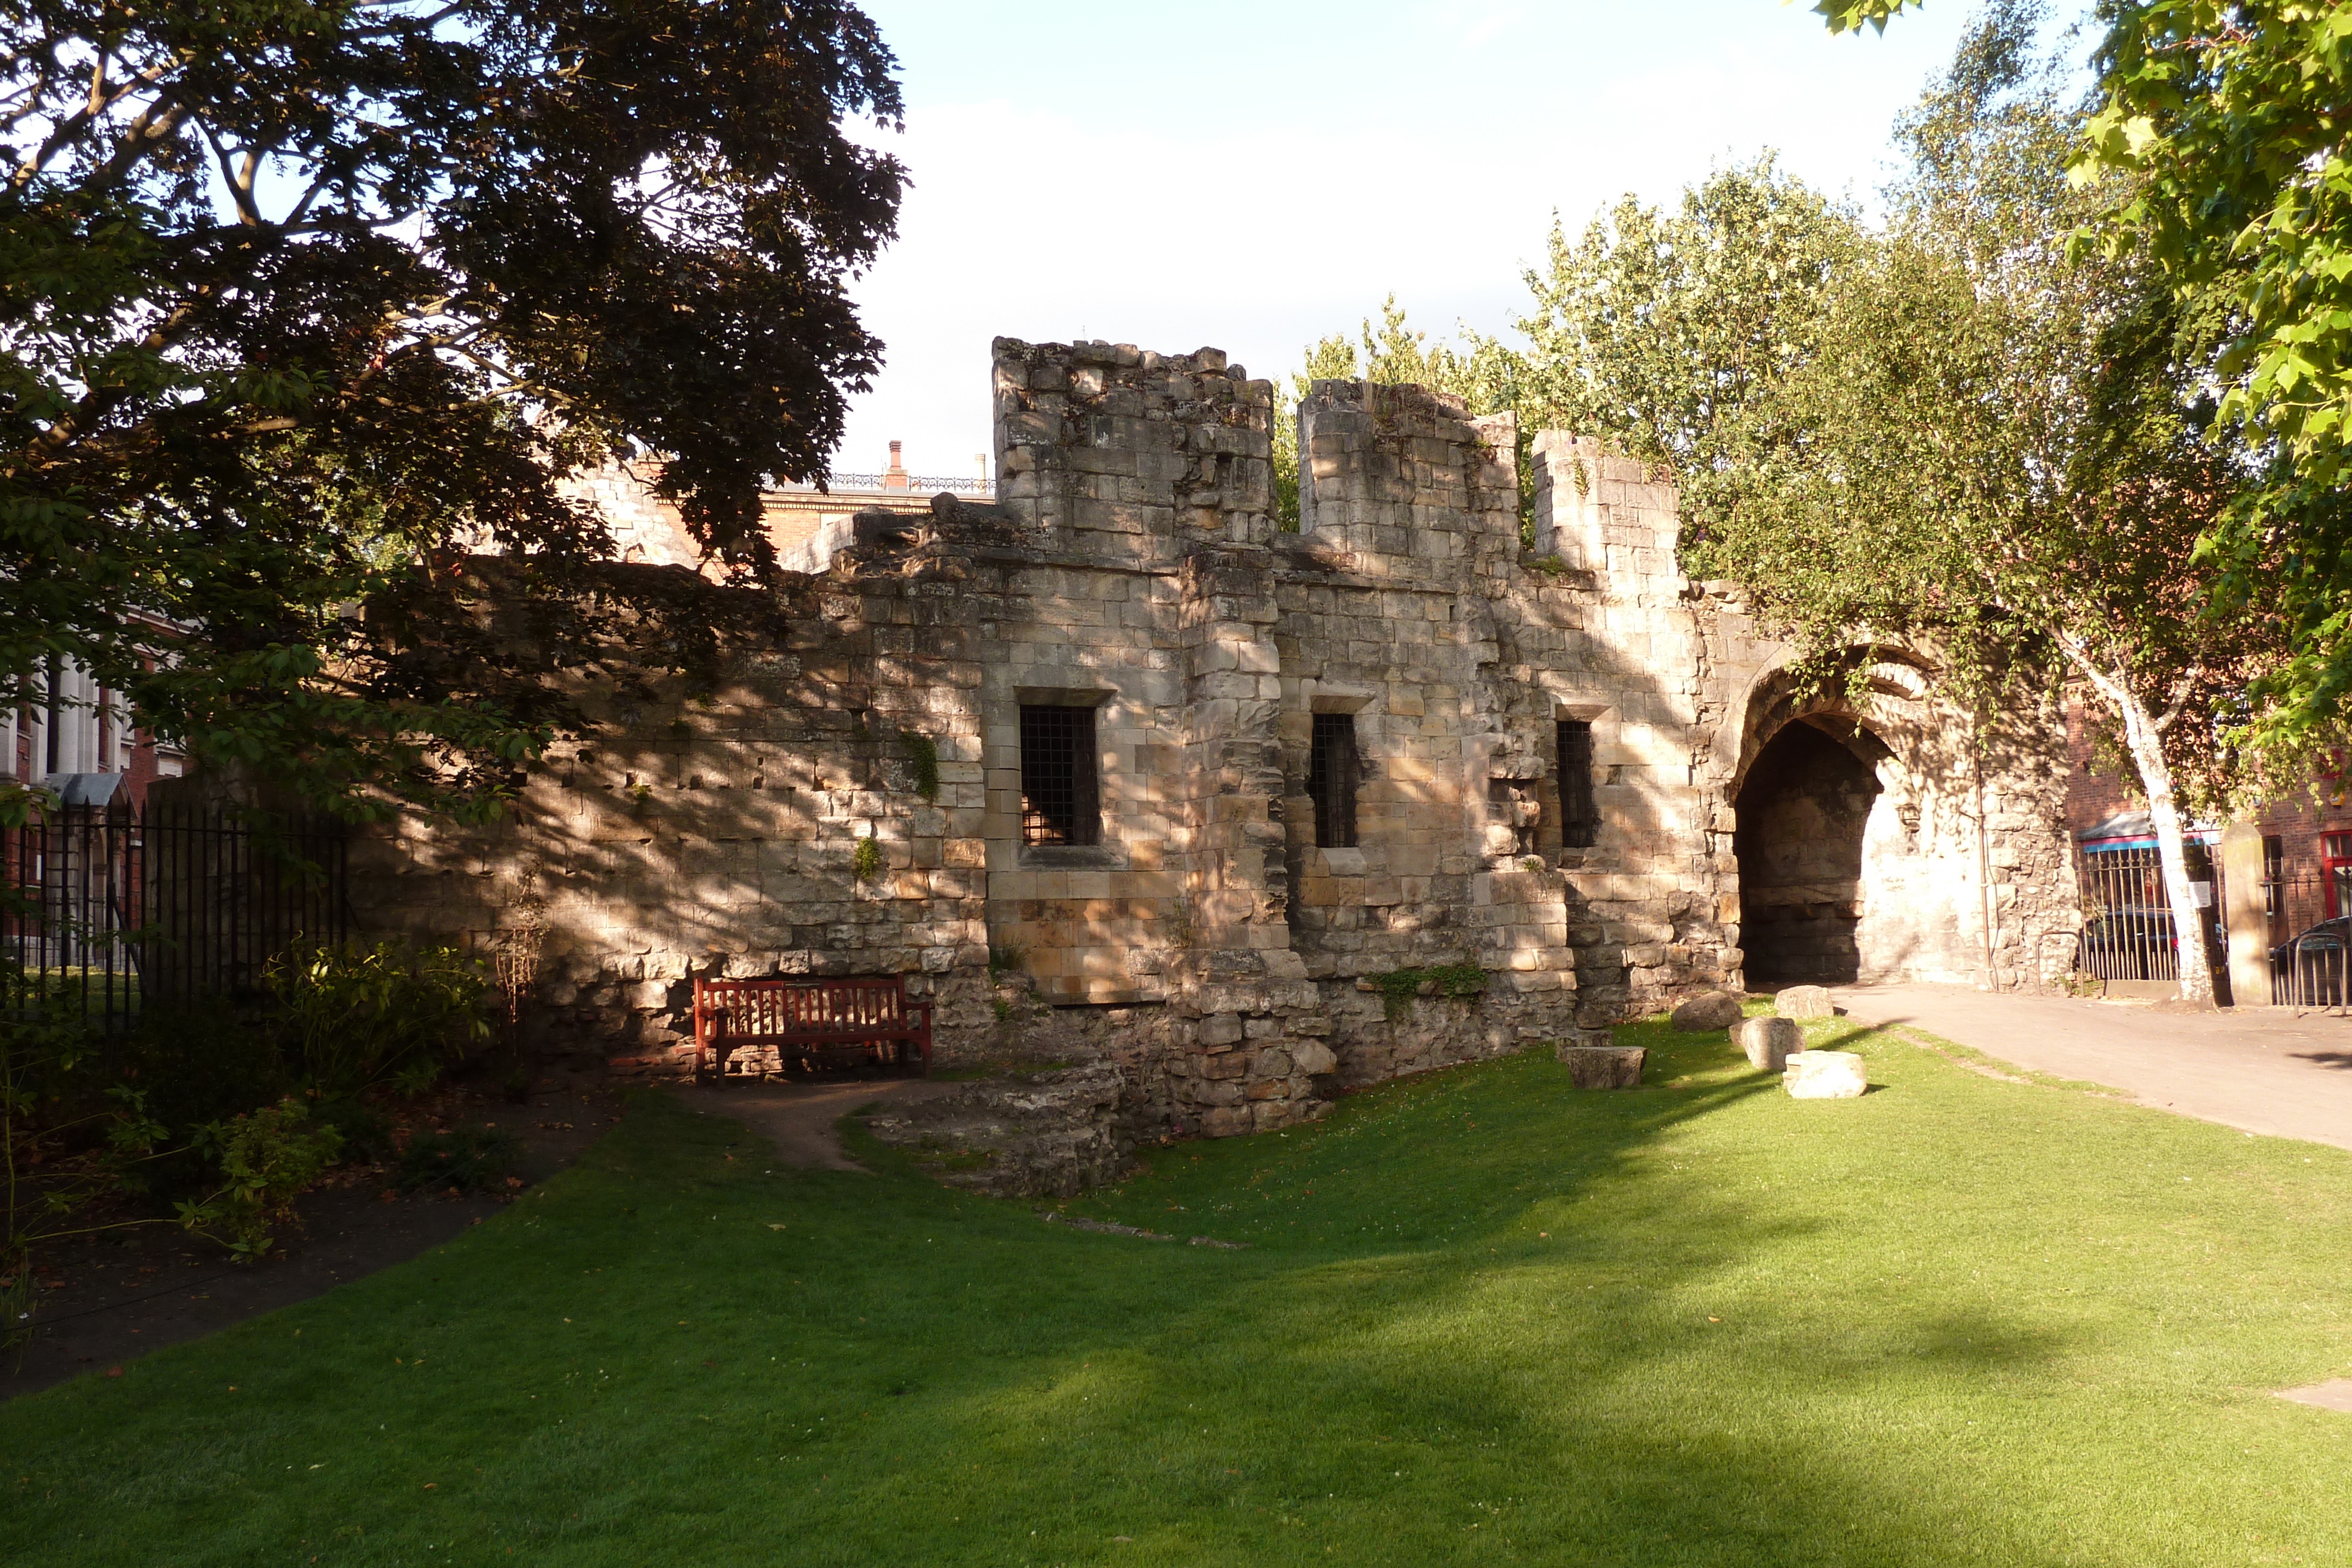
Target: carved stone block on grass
x: 1715, y: 1009
x: 1804, y: 1002
x: 1769, y: 1043
x: 1603, y: 1066
x: 1825, y: 1075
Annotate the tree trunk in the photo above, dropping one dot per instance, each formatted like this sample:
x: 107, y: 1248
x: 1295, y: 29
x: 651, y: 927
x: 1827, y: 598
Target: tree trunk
x: 2143, y: 739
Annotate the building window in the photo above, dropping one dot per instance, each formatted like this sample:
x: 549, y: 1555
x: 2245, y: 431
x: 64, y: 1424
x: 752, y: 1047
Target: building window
x: 1580, y: 813
x: 2273, y: 871
x: 1061, y: 802
x: 1331, y: 775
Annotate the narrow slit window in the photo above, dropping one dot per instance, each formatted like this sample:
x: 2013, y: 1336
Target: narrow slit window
x: 1331, y: 775
x: 1061, y: 802
x: 1580, y: 813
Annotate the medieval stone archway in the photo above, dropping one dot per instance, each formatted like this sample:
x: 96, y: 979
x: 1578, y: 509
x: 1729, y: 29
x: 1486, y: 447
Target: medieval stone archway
x: 1863, y: 830
x: 1804, y: 813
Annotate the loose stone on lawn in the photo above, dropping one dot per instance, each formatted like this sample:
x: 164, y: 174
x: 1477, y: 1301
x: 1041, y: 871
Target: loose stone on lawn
x: 1602, y: 1066
x: 1714, y: 1009
x: 1825, y: 1075
x: 1804, y: 1002
x: 1769, y: 1043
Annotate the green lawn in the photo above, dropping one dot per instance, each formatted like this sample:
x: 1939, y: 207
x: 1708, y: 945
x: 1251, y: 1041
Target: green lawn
x: 1484, y: 1319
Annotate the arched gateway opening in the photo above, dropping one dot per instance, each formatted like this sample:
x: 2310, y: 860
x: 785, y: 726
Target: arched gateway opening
x: 1802, y: 813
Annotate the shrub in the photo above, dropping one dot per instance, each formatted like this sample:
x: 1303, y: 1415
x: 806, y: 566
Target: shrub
x: 468, y: 1158
x: 266, y: 1159
x: 355, y: 1015
x: 53, y: 1097
x: 866, y: 861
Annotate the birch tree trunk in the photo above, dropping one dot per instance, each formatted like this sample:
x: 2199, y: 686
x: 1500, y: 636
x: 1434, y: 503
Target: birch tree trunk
x: 2143, y: 739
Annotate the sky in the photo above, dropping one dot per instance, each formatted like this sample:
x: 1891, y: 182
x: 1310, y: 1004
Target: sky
x: 1254, y: 176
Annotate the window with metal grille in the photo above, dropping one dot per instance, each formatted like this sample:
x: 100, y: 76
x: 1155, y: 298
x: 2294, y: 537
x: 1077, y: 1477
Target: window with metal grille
x: 1060, y: 801
x: 1332, y: 774
x: 1580, y: 812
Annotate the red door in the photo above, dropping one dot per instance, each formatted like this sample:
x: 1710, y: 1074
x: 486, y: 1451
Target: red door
x: 2336, y: 873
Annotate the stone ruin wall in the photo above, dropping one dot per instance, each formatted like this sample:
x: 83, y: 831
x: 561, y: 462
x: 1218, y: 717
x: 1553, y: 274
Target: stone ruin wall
x: 1206, y: 945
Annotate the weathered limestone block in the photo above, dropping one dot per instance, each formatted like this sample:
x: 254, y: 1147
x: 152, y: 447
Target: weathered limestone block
x: 1713, y: 1010
x: 1804, y: 1002
x: 1602, y: 1066
x: 1767, y: 1042
x: 1825, y: 1075
x: 1312, y: 1057
x: 1051, y: 1135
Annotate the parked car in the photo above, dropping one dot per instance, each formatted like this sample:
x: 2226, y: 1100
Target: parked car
x: 2307, y: 969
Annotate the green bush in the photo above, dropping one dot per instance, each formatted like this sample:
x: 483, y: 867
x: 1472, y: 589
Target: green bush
x: 355, y: 1015
x: 470, y: 1159
x: 266, y: 1159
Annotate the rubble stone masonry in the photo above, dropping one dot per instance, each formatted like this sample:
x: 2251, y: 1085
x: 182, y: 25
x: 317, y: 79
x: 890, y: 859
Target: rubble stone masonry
x: 1131, y: 566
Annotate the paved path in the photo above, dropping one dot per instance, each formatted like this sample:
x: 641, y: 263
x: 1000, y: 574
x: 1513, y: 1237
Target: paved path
x: 2264, y: 1070
x: 798, y: 1118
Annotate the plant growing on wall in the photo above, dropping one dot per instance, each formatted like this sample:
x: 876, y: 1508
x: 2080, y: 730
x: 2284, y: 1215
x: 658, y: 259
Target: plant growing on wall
x: 1398, y: 987
x: 923, y: 753
x: 866, y: 859
x: 302, y: 304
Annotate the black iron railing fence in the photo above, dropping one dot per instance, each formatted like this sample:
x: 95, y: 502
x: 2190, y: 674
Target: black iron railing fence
x: 2306, y: 937
x: 119, y: 910
x: 2128, y: 928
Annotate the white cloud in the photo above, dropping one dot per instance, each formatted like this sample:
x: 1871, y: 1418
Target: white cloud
x: 1097, y: 175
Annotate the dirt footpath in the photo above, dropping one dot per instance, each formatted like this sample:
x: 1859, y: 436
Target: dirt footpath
x: 2260, y: 1070
x: 798, y: 1118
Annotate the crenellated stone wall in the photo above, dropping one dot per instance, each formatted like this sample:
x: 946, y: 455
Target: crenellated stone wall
x: 1207, y: 945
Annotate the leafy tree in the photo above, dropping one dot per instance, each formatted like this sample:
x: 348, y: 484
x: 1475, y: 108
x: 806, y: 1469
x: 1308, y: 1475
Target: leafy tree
x: 2224, y: 126
x: 1487, y: 378
x: 1989, y: 453
x: 308, y: 311
x: 1658, y: 330
x: 2220, y: 141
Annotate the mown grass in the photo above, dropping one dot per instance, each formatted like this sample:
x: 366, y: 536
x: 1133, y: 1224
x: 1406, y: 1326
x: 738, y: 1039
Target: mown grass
x: 1484, y: 1318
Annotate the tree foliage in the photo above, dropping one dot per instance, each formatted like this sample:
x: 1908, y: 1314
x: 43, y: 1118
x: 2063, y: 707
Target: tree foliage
x: 306, y: 307
x: 2220, y: 143
x: 1998, y: 452
x: 1659, y: 331
x: 2222, y: 132
x: 1485, y: 374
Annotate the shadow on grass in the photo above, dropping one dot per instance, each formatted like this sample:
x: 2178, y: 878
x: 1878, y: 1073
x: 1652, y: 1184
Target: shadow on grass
x: 1484, y: 1315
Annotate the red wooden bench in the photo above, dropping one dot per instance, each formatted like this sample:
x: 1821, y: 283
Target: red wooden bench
x: 848, y: 1022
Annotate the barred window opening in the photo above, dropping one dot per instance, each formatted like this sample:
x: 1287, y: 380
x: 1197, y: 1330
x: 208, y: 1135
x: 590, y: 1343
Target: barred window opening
x: 1332, y: 774
x: 1060, y: 800
x: 1580, y: 812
